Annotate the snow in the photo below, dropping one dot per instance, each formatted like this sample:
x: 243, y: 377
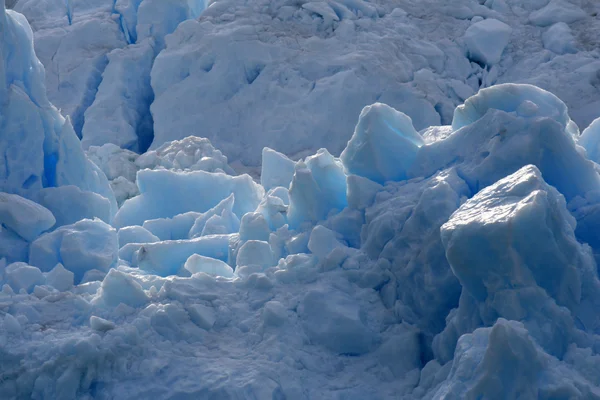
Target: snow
x: 428, y: 261
x: 486, y: 40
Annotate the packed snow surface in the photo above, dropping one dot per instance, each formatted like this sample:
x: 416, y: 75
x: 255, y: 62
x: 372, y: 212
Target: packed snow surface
x: 451, y: 250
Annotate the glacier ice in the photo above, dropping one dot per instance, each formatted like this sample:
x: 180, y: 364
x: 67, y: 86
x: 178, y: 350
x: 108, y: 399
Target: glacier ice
x: 486, y: 40
x: 81, y: 247
x: 24, y: 217
x: 188, y: 191
x: 458, y: 261
x: 384, y: 145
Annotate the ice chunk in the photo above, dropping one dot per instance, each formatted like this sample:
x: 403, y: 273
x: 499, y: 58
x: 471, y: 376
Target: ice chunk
x: 24, y: 217
x: 559, y: 39
x: 502, y: 359
x: 274, y: 314
x: 254, y: 226
x: 361, y: 191
x: 318, y: 188
x: 225, y: 207
x: 175, y: 228
x: 383, y: 146
x: 323, y: 241
x: 168, y: 257
x: 135, y: 234
x: 557, y: 11
x: 255, y: 253
x: 486, y: 40
x: 277, y: 169
x: 11, y: 324
x: 401, y: 352
x: 493, y: 141
x: 70, y: 204
x: 225, y: 223
x: 118, y: 287
x: 19, y: 276
x: 509, y: 97
x: 165, y: 194
x: 13, y: 247
x: 83, y: 246
x: 100, y: 324
x: 60, y: 278
x: 274, y: 208
x: 513, y: 249
x: 334, y: 320
x: 202, y: 315
x: 197, y: 263
x: 590, y: 140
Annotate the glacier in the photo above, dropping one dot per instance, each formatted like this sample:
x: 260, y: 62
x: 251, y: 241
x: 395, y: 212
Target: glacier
x: 202, y: 224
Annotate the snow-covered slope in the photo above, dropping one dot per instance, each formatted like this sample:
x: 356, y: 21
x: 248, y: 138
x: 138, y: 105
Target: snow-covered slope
x: 456, y: 262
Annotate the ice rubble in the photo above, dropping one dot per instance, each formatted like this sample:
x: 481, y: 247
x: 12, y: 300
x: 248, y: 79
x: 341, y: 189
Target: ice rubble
x: 459, y: 262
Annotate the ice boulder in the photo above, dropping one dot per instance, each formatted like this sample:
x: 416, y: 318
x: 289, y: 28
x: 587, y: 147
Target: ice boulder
x: 211, y: 266
x: 224, y: 210
x: 506, y: 359
x: 318, y: 188
x: 24, y: 217
x: 70, y: 204
x: 277, y: 169
x: 383, y: 146
x: 254, y: 226
x: 168, y: 257
x: 120, y: 288
x: 590, y: 140
x: 83, y: 246
x: 60, y: 278
x: 21, y: 276
x: 335, y: 320
x: 175, y: 228
x: 166, y: 193
x: 486, y: 40
x: 135, y: 234
x: 524, y: 100
x: 323, y: 241
x: 557, y: 11
x: 559, y: 39
x: 493, y: 139
x: 513, y: 249
x: 255, y: 253
x: 13, y: 247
